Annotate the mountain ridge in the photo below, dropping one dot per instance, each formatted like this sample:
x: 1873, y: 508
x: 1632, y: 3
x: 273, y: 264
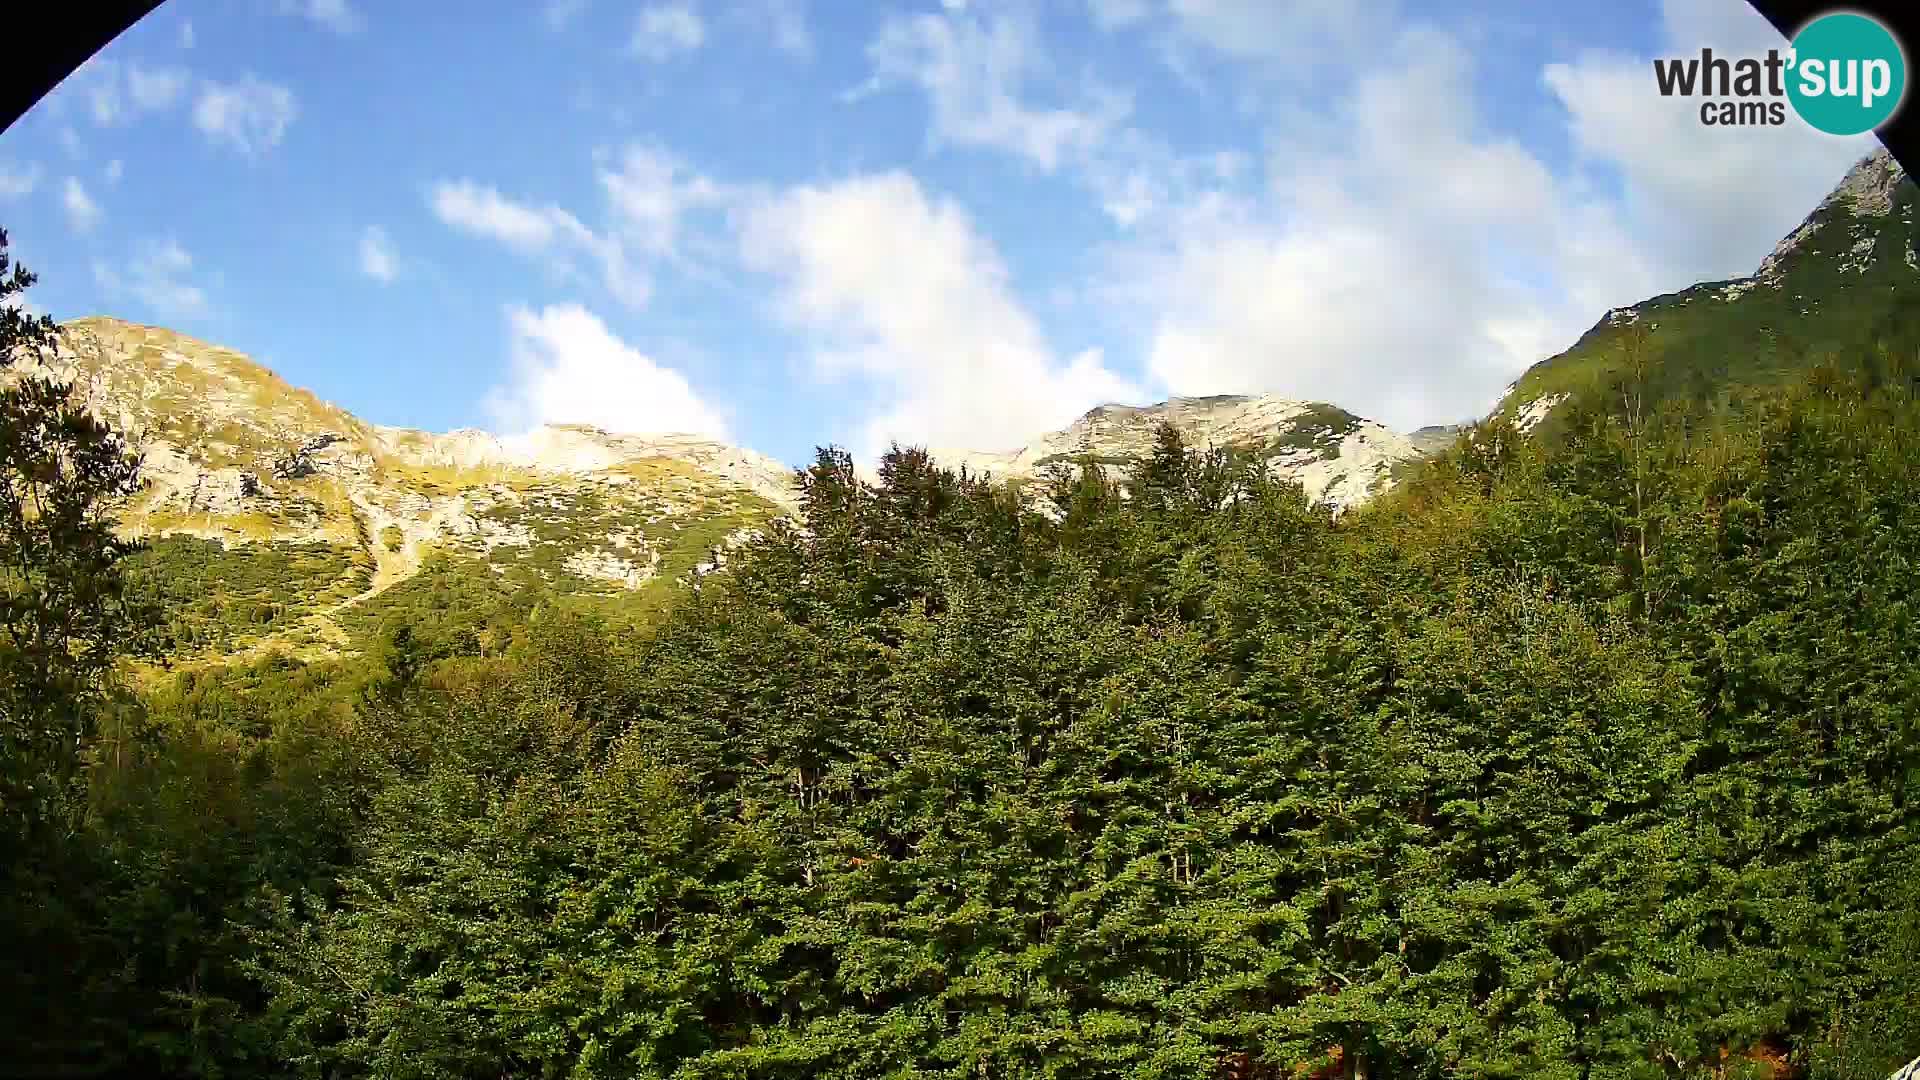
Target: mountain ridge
x: 1847, y: 274
x: 235, y: 455
x: 237, y: 458
x: 1335, y: 455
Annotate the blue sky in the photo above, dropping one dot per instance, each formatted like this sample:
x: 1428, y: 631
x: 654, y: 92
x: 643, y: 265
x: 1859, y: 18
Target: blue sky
x: 793, y: 222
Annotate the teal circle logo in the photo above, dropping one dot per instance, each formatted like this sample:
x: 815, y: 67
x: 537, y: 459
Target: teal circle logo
x: 1847, y: 75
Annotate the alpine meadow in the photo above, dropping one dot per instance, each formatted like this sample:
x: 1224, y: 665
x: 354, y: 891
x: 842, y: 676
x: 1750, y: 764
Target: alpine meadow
x: 1235, y: 737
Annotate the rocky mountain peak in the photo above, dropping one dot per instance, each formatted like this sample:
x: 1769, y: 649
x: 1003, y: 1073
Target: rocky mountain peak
x: 1868, y: 190
x: 1332, y: 453
x: 1869, y: 186
x: 1850, y: 264
x: 235, y: 455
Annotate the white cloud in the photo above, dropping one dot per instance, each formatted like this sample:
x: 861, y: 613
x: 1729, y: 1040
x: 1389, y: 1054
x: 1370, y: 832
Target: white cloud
x: 70, y: 142
x: 904, y: 293
x: 664, y: 30
x: 987, y: 77
x: 1405, y: 259
x: 1731, y: 27
x: 474, y: 208
x: 1678, y: 173
x: 103, y: 97
x: 977, y: 73
x: 157, y: 278
x: 786, y: 22
x: 628, y: 283
x: 547, y: 231
x: 1402, y: 262
x: 17, y: 181
x: 339, y: 16
x: 251, y: 115
x: 82, y: 212
x: 569, y: 368
x: 1137, y: 180
x: 117, y: 94
x: 154, y: 89
x: 186, y: 35
x: 560, y: 14
x: 650, y: 191
x: 378, y: 260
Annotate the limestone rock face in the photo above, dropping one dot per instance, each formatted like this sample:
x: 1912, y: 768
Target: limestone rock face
x: 235, y: 454
x: 1334, y: 455
x: 1867, y: 191
x: 579, y: 449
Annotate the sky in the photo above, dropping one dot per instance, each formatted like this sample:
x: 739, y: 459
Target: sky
x: 950, y: 223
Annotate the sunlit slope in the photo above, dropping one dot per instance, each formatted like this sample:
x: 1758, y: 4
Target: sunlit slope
x: 1844, y: 285
x: 279, y: 518
x: 1333, y: 454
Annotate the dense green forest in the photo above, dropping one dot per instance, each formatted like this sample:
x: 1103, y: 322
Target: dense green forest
x: 1585, y: 758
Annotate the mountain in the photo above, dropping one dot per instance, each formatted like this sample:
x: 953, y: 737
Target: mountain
x: 1844, y: 282
x: 282, y: 518
x: 1847, y: 278
x: 1333, y: 454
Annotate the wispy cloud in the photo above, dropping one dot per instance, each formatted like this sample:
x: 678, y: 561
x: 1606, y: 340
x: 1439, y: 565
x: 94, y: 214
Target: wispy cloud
x: 560, y: 14
x: 378, y: 260
x: 250, y: 116
x: 153, y: 89
x: 339, y: 16
x: 650, y: 192
x: 662, y: 31
x: 649, y: 195
x: 982, y: 76
x: 83, y: 213
x: 117, y: 93
x: 546, y: 231
x: 783, y: 22
x: 18, y: 180
x: 157, y: 277
x: 484, y: 211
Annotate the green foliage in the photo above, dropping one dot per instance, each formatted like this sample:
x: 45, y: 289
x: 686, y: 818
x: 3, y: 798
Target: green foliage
x: 1111, y: 460
x: 65, y: 619
x: 1185, y: 778
x: 1320, y: 429
x: 216, y: 598
x: 1830, y: 302
x: 453, y: 606
x: 63, y: 612
x: 1592, y: 757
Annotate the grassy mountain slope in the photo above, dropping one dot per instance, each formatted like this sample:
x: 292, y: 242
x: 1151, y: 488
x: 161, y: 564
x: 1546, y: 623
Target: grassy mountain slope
x: 1847, y: 277
x: 280, y: 519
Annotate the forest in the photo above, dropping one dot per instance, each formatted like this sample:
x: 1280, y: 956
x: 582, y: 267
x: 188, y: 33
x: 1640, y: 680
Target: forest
x: 1574, y: 758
